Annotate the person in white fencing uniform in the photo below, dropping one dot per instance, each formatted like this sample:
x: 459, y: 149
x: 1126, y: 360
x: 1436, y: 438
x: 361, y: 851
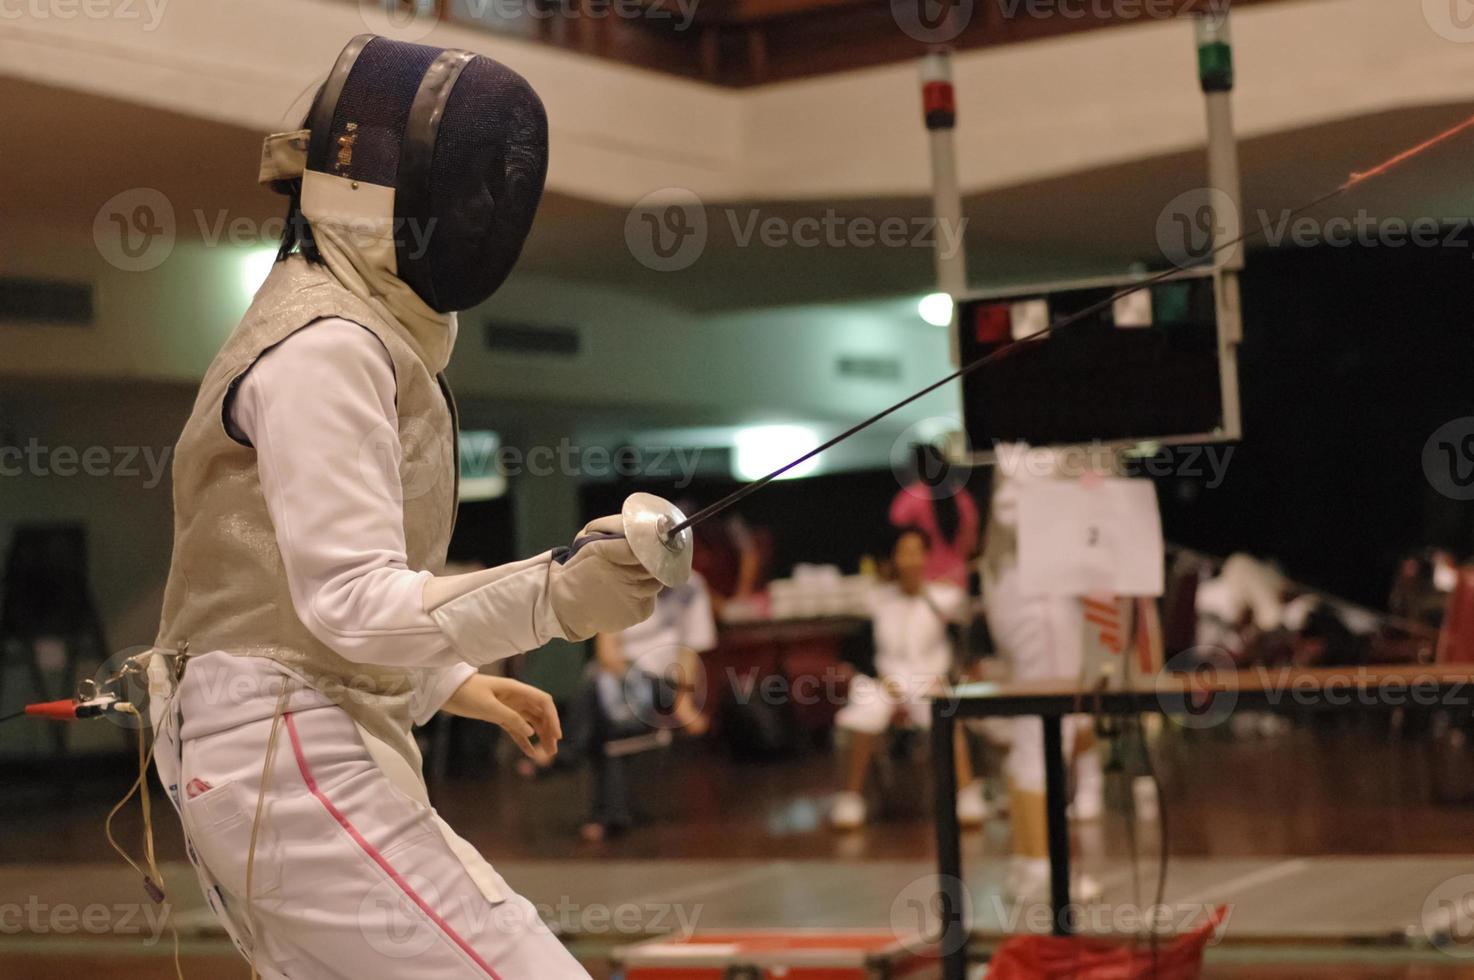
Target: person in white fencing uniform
x: 306, y: 626
x: 1042, y: 638
x: 914, y: 655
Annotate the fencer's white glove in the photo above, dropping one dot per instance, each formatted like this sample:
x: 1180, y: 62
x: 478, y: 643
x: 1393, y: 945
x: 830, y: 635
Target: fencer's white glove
x: 602, y: 588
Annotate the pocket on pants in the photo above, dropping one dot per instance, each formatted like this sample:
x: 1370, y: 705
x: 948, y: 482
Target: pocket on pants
x: 218, y: 822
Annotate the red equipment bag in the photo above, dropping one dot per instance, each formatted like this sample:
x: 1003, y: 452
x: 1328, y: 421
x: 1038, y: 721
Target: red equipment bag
x: 1079, y: 958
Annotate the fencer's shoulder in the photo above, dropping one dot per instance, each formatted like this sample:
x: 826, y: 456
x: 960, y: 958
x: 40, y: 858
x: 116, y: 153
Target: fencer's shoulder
x: 336, y: 338
x: 337, y: 359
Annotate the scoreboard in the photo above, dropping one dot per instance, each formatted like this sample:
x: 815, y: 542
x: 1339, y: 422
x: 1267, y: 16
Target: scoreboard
x: 1156, y: 366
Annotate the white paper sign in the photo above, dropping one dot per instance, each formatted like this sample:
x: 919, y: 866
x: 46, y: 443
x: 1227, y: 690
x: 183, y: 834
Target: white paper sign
x: 1090, y: 537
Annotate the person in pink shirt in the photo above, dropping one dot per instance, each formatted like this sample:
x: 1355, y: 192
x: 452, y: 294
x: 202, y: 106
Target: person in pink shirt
x: 948, y: 515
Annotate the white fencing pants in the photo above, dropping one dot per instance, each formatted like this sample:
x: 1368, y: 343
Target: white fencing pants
x: 352, y: 878
x: 1043, y: 639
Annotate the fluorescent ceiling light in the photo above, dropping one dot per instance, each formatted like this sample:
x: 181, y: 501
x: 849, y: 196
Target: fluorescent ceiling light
x: 761, y: 449
x: 936, y: 309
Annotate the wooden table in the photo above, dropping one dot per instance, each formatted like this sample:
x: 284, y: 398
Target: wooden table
x: 1205, y: 698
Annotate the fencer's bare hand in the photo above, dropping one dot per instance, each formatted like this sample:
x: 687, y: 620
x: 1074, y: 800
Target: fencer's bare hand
x: 520, y: 710
x: 603, y: 588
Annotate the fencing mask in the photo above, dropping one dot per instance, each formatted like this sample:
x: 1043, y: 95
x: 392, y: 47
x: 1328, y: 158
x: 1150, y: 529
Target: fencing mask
x: 440, y: 153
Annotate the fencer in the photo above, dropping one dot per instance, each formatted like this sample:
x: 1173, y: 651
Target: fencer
x: 315, y: 488
x: 1042, y: 638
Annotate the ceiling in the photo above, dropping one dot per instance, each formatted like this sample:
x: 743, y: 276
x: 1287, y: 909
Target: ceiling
x: 753, y: 42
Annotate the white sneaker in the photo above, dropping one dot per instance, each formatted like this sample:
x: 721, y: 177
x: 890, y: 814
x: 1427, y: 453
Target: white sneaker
x: 847, y: 811
x: 1089, y: 801
x: 972, y: 808
x: 1028, y: 883
x: 1086, y: 807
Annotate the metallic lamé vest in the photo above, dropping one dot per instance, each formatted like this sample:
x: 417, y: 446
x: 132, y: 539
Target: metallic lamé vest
x: 227, y: 586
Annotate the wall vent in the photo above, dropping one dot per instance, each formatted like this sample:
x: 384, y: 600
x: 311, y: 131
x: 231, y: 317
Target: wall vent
x: 521, y: 339
x: 870, y: 368
x: 49, y: 301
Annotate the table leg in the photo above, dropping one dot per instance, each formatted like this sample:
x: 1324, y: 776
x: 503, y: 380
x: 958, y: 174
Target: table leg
x: 949, y: 841
x: 1055, y: 802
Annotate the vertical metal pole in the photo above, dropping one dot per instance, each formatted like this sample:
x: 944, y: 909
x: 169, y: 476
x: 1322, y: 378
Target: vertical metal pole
x: 1056, y: 801
x: 950, y: 897
x: 1215, y: 74
x: 939, y: 101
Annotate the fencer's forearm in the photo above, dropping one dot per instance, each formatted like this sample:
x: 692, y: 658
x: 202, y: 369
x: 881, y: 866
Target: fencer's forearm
x: 496, y: 613
x: 435, y: 688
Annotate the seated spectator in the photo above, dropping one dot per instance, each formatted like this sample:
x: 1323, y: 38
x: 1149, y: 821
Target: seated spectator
x: 913, y: 657
x: 641, y: 682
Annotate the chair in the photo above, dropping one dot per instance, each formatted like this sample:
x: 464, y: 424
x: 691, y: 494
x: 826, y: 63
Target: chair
x: 47, y: 596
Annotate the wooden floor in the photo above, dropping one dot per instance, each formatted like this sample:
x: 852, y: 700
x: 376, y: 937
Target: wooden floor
x: 1329, y: 830
x: 224, y: 964
x: 1335, y: 788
